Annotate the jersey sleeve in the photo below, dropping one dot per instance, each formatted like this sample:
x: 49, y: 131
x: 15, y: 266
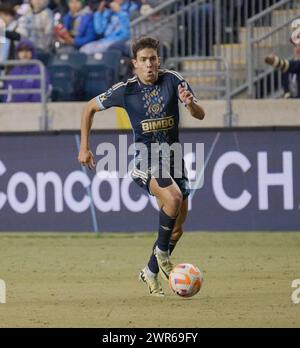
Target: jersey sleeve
x: 112, y: 97
x: 179, y: 80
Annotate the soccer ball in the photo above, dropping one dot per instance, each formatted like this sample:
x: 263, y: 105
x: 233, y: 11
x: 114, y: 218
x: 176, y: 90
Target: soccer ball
x: 185, y: 280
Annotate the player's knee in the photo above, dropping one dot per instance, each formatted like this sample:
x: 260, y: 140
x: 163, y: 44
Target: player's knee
x: 178, y: 198
x: 175, y: 202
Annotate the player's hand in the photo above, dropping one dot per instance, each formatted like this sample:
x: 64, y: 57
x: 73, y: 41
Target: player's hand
x: 185, y: 95
x: 270, y: 59
x: 86, y: 158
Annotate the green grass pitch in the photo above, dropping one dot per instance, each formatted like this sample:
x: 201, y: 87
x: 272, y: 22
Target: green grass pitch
x: 79, y: 280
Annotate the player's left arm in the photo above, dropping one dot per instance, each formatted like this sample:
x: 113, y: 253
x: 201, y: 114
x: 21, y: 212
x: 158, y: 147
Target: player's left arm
x: 189, y: 101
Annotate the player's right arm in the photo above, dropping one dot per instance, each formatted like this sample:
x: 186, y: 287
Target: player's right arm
x: 112, y: 97
x: 85, y: 156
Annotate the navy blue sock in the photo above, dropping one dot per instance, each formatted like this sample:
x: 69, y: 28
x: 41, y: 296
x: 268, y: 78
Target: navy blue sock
x: 152, y: 264
x: 163, y: 240
x: 172, y: 245
x: 166, y: 225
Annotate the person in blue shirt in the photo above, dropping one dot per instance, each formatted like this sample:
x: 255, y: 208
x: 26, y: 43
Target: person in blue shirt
x: 79, y: 24
x: 130, y: 6
x: 112, y: 25
x: 151, y: 101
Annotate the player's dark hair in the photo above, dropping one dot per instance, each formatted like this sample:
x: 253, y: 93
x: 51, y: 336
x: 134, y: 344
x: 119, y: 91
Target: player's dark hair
x: 144, y: 42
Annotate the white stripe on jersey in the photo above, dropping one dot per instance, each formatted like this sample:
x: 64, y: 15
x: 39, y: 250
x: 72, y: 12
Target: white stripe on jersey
x: 114, y: 87
x: 137, y: 174
x: 175, y: 73
x: 117, y: 85
x: 140, y: 173
x: 120, y: 84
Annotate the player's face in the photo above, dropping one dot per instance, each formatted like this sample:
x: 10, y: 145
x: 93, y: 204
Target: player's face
x: 146, y: 65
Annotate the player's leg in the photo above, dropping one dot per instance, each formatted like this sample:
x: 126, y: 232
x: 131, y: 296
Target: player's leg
x: 178, y: 228
x: 176, y: 234
x: 168, y: 193
x: 170, y: 197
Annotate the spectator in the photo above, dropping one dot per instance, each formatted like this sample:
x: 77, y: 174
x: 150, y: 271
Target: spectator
x: 112, y: 25
x: 21, y: 8
x: 25, y: 51
x: 59, y: 6
x: 38, y: 24
x: 291, y: 72
x: 12, y: 32
x: 147, y: 3
x: 129, y: 6
x: 78, y: 25
x: 93, y: 4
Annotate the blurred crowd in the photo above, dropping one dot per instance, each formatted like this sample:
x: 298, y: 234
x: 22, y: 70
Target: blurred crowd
x: 89, y: 26
x: 37, y: 28
x: 48, y: 28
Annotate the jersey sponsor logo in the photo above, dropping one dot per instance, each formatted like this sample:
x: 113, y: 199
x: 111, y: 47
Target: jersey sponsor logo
x: 159, y: 124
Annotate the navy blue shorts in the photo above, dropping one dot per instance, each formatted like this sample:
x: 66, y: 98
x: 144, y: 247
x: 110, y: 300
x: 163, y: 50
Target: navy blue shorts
x: 143, y: 177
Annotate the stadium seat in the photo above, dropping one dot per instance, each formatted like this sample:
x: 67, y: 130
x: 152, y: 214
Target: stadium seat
x: 44, y: 57
x: 74, y: 59
x: 110, y: 59
x: 63, y: 80
x: 95, y: 79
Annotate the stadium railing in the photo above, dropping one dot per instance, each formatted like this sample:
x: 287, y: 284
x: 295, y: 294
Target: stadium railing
x: 44, y: 119
x: 208, y: 28
x: 262, y: 80
x: 209, y: 78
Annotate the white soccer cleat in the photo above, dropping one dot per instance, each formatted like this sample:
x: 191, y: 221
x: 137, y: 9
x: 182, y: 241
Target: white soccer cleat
x: 154, y: 285
x: 164, y: 263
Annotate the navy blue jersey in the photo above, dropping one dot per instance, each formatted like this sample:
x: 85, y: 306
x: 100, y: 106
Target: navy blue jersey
x: 152, y: 109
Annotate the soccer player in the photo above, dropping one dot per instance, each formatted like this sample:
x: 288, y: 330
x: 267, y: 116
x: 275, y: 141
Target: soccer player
x: 151, y: 101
